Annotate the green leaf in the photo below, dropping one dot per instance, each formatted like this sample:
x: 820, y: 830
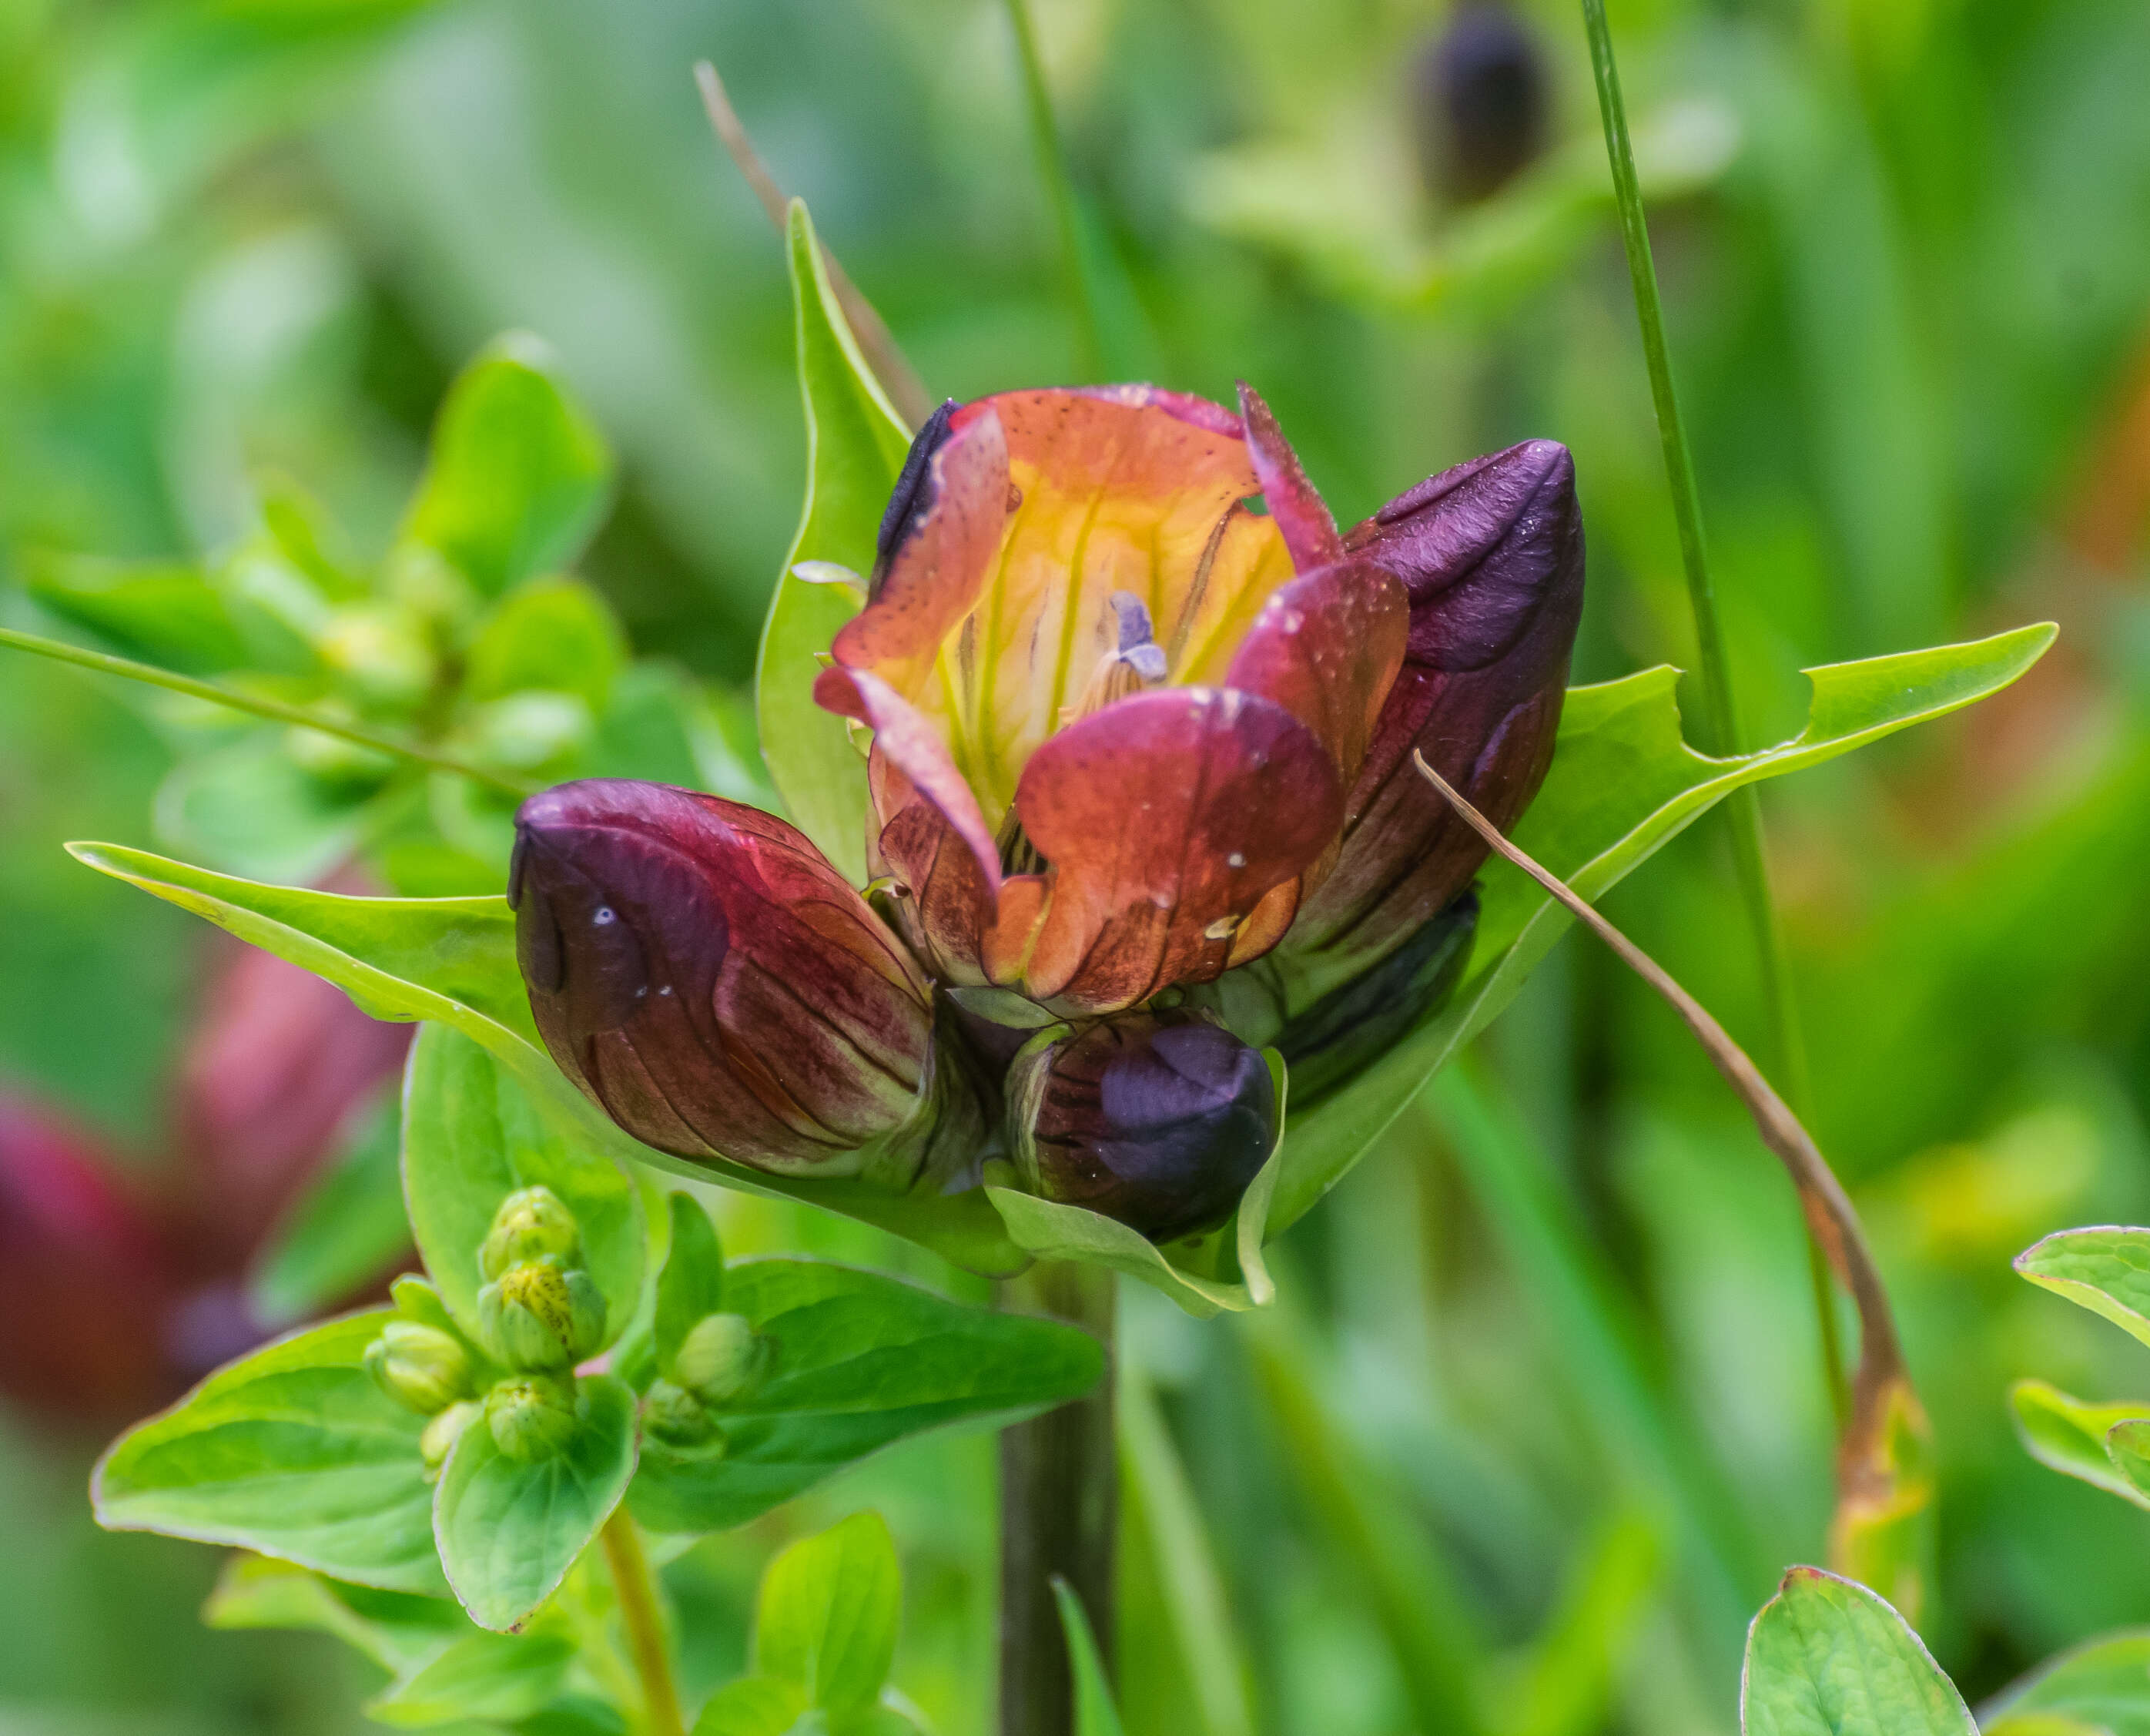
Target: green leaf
x: 292, y: 1452
x: 452, y: 961
x: 828, y: 1611
x: 1624, y: 784
x: 2102, y: 1685
x: 860, y: 1361
x: 397, y: 1630
x: 1827, y: 1658
x: 2105, y: 1269
x: 752, y: 1706
x: 692, y: 1285
x: 471, y: 1136
x: 518, y: 473
x: 2069, y: 1435
x: 495, y: 1677
x: 347, y: 1228
x: 2128, y: 1445
x: 1095, y: 1714
x: 510, y: 1529
x: 556, y: 634
x: 165, y: 612
x: 856, y: 444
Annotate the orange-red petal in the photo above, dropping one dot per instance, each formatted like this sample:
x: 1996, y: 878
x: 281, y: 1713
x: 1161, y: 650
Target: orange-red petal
x: 1301, y: 515
x: 1166, y: 819
x: 1327, y: 646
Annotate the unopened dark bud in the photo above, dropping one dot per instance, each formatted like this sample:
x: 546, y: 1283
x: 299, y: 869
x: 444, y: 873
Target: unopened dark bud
x: 444, y: 1431
x: 532, y: 1417
x: 1479, y: 101
x: 1347, y: 1030
x: 714, y: 985
x: 1157, y: 1119
x: 542, y: 1314
x: 676, y: 1418
x: 421, y: 1367
x: 722, y: 1360
x: 530, y: 1224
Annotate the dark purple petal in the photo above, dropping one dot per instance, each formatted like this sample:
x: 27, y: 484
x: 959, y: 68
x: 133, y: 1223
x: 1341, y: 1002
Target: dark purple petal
x: 911, y: 495
x: 1158, y: 1120
x: 707, y: 977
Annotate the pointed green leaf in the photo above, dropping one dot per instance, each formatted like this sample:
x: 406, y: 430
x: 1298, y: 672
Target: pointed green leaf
x: 165, y: 612
x: 2105, y: 1269
x: 828, y: 1614
x: 1207, y: 1275
x: 496, y: 1677
x: 856, y: 444
x: 2068, y: 1436
x: 1095, y: 1714
x: 509, y: 1529
x: 398, y: 1630
x: 692, y: 1285
x: 2100, y: 1685
x: 861, y: 1362
x: 292, y: 1452
x: 517, y: 475
x: 452, y: 961
x: 1827, y: 1658
x: 471, y: 1136
x: 1623, y: 783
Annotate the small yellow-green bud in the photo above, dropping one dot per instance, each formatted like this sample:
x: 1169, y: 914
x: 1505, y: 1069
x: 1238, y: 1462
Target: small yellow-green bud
x: 542, y: 1314
x: 381, y: 654
x: 681, y: 1421
x: 722, y: 1360
x: 444, y: 1430
x: 419, y: 1367
x: 532, y: 1417
x: 530, y: 1224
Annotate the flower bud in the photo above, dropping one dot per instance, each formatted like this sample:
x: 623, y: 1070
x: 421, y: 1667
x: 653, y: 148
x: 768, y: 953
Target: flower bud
x: 722, y: 1360
x: 444, y: 1431
x: 1479, y: 101
x: 1157, y: 1119
x: 677, y: 1418
x: 1333, y: 1041
x: 719, y: 989
x: 542, y: 1314
x: 530, y: 1224
x: 532, y: 1417
x: 421, y: 1367
x: 1491, y: 556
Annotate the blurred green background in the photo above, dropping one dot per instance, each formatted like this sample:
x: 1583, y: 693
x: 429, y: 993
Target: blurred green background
x: 1558, y: 1327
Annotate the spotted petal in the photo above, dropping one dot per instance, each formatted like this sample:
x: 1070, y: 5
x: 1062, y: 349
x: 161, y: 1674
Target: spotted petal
x: 1165, y: 819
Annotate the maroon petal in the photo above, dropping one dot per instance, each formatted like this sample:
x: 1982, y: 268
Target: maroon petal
x: 1327, y: 646
x: 1309, y: 532
x: 711, y: 981
x: 1164, y: 819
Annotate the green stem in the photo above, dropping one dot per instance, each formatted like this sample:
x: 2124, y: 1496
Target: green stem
x: 1059, y: 1513
x: 636, y: 1588
x: 259, y: 705
x: 1720, y: 713
x: 1059, y: 190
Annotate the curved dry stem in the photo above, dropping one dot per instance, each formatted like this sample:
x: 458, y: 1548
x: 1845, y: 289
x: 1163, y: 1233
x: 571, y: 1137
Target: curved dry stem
x: 882, y: 353
x: 1882, y: 1394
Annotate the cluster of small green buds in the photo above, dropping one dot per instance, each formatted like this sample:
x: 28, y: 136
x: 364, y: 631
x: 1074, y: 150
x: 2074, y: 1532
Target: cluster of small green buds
x: 533, y: 1417
x: 538, y: 1309
x: 421, y: 1367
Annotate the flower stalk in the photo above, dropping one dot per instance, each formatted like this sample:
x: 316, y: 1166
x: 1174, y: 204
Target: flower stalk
x: 1743, y: 808
x: 636, y: 1588
x: 1059, y: 1512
